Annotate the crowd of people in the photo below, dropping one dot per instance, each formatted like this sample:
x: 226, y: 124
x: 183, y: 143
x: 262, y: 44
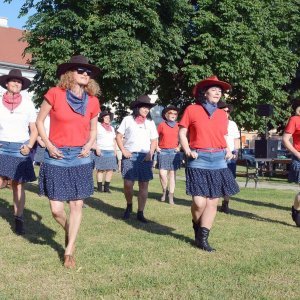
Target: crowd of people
x: 73, y: 137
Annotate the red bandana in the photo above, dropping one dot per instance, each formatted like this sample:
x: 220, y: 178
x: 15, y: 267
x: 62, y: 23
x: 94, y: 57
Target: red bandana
x: 107, y: 127
x: 11, y: 102
x: 140, y: 120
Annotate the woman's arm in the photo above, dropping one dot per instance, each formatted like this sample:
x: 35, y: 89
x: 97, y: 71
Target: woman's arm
x: 153, y: 147
x: 119, y: 139
x: 26, y: 148
x: 185, y: 144
x: 288, y: 145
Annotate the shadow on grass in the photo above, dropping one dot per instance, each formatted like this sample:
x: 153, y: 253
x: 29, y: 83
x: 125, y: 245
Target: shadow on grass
x: 258, y: 203
x: 35, y: 231
x: 117, y: 213
x: 157, y: 196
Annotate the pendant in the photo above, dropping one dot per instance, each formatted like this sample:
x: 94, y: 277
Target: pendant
x: 11, y: 111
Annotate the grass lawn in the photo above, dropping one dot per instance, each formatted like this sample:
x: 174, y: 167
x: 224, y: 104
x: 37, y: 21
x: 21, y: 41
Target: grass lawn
x: 257, y: 250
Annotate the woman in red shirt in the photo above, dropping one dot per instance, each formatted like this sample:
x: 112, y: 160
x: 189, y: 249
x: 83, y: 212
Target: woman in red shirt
x: 207, y: 175
x: 292, y: 130
x: 67, y: 172
x: 168, y: 156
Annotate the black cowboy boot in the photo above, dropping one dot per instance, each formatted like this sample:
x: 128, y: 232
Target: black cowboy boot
x: 296, y: 216
x: 19, y: 222
x: 202, y: 240
x: 225, y: 207
x: 106, y: 187
x: 128, y: 211
x: 196, y: 227
x: 140, y: 217
x: 99, y: 187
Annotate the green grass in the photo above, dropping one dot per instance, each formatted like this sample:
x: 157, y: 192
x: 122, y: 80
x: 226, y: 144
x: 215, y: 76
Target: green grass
x: 257, y: 250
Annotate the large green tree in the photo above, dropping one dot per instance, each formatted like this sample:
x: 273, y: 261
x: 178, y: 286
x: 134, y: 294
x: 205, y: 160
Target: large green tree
x: 252, y: 44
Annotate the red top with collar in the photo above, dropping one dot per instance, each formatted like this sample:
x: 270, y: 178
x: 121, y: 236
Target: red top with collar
x: 168, y: 136
x: 67, y: 128
x: 293, y: 127
x: 205, y: 131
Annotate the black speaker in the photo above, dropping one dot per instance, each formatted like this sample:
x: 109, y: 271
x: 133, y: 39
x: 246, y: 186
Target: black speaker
x: 266, y: 148
x: 265, y: 110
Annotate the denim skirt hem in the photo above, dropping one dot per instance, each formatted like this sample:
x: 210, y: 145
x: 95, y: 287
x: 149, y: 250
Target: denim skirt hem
x: 104, y: 163
x: 210, y: 183
x: 169, y: 161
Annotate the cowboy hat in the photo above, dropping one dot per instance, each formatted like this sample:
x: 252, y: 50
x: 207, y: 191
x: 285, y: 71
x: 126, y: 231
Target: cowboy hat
x: 208, y: 82
x: 75, y: 62
x: 15, y: 74
x: 105, y: 113
x: 168, y: 108
x: 143, y: 100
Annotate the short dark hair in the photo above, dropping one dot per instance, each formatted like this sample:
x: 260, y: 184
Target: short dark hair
x: 136, y: 113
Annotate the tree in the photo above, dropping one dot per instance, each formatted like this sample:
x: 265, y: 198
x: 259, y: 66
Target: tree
x: 254, y: 45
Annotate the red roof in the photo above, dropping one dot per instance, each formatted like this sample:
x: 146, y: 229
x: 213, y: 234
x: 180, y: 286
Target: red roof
x: 11, y: 50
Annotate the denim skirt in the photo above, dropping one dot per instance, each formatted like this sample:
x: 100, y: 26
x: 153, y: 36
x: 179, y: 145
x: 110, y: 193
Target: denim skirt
x: 66, y: 179
x: 135, y: 168
x: 39, y: 154
x: 294, y: 173
x: 106, y: 161
x: 168, y: 159
x: 13, y: 164
x: 208, y: 176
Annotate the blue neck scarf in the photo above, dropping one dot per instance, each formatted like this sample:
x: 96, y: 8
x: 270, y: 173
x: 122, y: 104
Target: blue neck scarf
x: 171, y: 123
x: 210, y: 107
x: 77, y: 104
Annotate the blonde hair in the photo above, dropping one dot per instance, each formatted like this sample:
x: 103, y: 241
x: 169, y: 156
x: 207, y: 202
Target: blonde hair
x: 67, y: 82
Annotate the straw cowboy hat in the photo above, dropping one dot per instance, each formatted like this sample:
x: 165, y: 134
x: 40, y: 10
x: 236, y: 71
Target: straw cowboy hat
x: 15, y: 74
x: 75, y: 62
x: 208, y: 82
x: 168, y: 108
x: 143, y: 100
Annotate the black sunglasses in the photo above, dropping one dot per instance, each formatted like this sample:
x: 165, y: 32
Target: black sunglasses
x: 83, y: 70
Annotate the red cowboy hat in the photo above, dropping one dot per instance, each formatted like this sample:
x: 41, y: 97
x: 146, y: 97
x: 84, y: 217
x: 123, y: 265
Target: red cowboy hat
x: 210, y: 81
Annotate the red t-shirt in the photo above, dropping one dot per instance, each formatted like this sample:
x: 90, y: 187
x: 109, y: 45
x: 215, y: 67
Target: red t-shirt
x: 168, y: 136
x: 205, y: 131
x: 67, y: 128
x: 293, y: 127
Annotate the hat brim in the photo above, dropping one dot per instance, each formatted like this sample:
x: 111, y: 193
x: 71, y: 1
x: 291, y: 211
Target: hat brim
x: 63, y: 68
x: 140, y: 104
x: 5, y: 78
x: 208, y: 83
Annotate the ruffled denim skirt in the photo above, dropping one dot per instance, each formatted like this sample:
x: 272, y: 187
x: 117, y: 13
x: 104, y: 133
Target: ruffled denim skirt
x: 168, y: 159
x: 106, y: 161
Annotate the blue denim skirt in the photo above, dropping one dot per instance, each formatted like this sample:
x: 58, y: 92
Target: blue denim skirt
x: 168, y: 159
x: 66, y: 179
x: 106, y: 161
x: 13, y: 164
x: 135, y: 168
x: 209, y: 176
x: 39, y: 154
x: 294, y: 173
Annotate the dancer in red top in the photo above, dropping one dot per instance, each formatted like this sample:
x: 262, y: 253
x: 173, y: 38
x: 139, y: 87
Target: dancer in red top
x: 207, y: 175
x: 168, y: 155
x: 66, y: 174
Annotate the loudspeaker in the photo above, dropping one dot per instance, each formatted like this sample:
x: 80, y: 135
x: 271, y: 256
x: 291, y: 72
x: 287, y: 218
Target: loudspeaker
x: 265, y: 110
x: 266, y: 148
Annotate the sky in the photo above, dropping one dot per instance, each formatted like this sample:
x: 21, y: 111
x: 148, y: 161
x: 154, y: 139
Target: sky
x: 11, y: 11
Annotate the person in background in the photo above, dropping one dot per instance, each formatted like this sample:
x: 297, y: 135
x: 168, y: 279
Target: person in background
x: 168, y: 155
x: 292, y: 130
x: 137, y: 139
x: 105, y: 159
x: 233, y: 141
x: 66, y: 175
x: 207, y: 175
x: 18, y: 134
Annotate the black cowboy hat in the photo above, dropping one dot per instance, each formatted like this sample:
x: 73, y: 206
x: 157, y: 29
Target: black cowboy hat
x: 168, y: 108
x: 143, y: 100
x: 105, y: 113
x: 208, y: 82
x: 75, y: 62
x: 15, y: 74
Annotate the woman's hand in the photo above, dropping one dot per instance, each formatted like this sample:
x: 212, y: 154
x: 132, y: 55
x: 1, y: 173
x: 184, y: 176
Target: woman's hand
x: 98, y: 152
x: 228, y: 155
x: 85, y: 152
x: 25, y: 150
x: 191, y: 154
x: 54, y: 152
x: 148, y: 156
x: 126, y: 153
x: 158, y: 149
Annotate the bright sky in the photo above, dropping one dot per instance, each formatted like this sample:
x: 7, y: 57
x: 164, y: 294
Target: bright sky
x: 11, y: 12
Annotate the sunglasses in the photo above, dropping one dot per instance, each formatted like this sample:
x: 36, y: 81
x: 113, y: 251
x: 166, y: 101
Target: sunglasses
x: 83, y: 70
x: 227, y: 110
x: 173, y: 113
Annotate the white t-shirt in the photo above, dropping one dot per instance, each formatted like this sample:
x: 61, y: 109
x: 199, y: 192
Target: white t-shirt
x: 105, y: 139
x: 14, y: 127
x: 137, y: 137
x: 233, y: 133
